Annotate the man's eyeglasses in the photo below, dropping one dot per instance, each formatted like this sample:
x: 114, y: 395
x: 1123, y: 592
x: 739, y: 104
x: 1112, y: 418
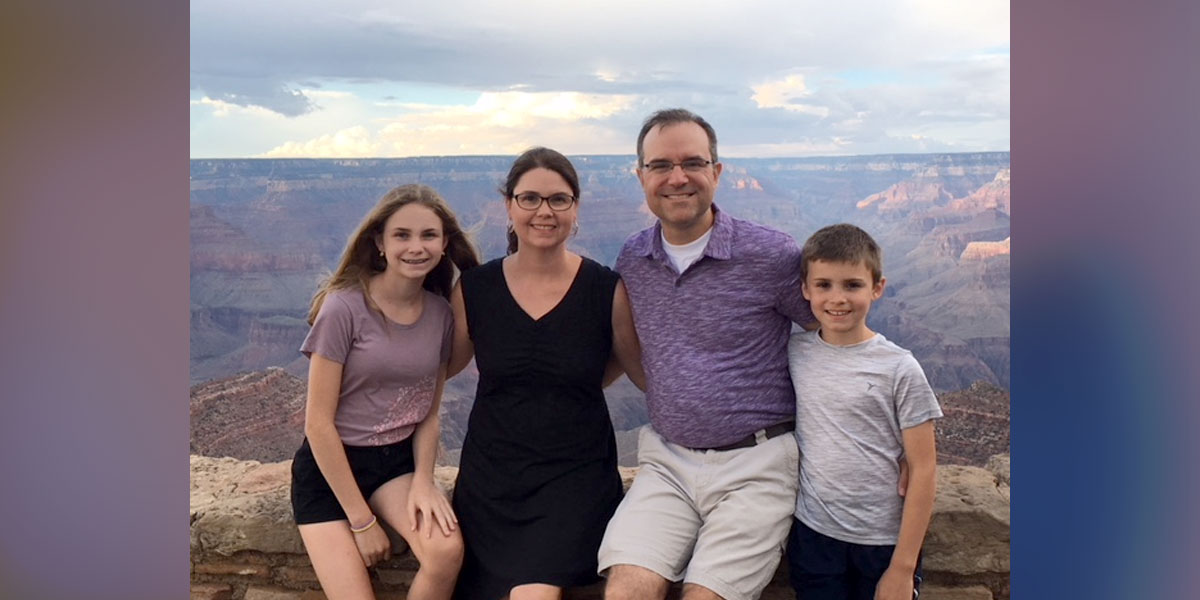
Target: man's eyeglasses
x: 691, y: 165
x: 533, y: 200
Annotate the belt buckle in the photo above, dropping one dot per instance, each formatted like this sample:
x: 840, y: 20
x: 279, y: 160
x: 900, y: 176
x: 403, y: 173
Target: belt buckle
x: 760, y: 437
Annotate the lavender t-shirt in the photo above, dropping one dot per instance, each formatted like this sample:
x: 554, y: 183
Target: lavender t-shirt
x: 389, y: 370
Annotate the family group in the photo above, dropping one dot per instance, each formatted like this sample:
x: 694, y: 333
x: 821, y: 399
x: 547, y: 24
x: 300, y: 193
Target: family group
x: 778, y: 419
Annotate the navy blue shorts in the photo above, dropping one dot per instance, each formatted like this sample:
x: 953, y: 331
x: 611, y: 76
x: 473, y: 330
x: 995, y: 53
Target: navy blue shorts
x: 824, y: 568
x: 312, y: 498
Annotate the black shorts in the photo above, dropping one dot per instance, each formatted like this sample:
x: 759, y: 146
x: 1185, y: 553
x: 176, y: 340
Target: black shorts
x: 312, y: 498
x: 825, y: 568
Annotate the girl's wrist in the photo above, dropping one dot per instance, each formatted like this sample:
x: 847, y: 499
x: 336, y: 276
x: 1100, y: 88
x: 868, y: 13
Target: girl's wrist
x: 365, y: 525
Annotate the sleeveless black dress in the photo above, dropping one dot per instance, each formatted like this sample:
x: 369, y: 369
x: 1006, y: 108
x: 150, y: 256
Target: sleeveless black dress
x: 537, y: 478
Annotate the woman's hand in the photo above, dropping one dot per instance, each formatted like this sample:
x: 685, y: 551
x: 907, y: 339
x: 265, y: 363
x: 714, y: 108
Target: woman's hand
x: 425, y: 498
x: 373, y: 545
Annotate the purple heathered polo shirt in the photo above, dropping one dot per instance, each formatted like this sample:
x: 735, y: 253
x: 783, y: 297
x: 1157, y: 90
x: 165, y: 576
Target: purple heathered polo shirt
x: 714, y: 339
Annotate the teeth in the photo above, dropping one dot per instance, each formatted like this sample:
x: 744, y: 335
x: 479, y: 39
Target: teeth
x: 838, y: 313
x: 544, y: 227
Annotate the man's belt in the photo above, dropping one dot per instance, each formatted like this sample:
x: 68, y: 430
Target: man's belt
x: 758, y: 437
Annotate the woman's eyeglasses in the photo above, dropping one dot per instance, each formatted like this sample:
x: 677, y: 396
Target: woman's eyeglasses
x: 533, y: 200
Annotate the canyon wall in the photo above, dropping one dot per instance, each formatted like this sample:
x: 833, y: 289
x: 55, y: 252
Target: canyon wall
x: 264, y: 232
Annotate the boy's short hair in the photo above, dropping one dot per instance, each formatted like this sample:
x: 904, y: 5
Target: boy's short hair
x: 843, y: 243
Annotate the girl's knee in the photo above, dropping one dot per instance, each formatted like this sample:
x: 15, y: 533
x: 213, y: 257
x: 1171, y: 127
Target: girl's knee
x: 442, y: 553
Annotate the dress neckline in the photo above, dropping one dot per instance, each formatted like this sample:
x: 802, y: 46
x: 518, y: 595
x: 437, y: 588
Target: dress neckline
x: 566, y: 294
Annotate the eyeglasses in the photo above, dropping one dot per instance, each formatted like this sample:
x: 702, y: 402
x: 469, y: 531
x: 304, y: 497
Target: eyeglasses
x: 533, y: 200
x: 691, y: 165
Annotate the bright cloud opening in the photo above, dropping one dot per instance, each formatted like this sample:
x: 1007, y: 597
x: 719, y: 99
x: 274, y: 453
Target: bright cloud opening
x: 784, y: 94
x: 352, y: 142
x: 497, y: 123
x: 221, y: 108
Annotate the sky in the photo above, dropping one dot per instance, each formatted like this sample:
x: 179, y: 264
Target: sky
x: 358, y: 78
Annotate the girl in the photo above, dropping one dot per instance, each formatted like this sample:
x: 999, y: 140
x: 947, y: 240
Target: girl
x: 378, y: 351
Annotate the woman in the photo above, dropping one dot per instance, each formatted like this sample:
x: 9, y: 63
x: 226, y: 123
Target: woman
x: 538, y: 474
x: 378, y: 351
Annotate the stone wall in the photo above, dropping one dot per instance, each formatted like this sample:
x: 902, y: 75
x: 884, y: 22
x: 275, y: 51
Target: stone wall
x: 244, y: 545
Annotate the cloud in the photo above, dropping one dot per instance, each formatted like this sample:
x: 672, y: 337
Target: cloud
x: 497, y: 123
x: 221, y: 108
x: 514, y: 109
x: 774, y: 73
x: 833, y: 146
x: 352, y: 142
x: 786, y: 93
x: 277, y: 97
x: 487, y: 46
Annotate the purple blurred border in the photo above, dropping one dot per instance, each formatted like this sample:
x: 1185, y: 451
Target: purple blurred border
x: 93, y: 305
x: 93, y: 259
x: 1105, y: 141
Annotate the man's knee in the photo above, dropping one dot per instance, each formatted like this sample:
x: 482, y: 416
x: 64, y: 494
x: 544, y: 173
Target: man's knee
x: 535, y: 591
x: 693, y: 591
x: 631, y: 582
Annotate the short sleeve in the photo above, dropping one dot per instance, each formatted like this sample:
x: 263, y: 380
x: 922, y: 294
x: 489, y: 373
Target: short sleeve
x: 474, y: 282
x: 622, y: 264
x: 606, y: 288
x: 332, y: 332
x: 796, y: 347
x: 915, y: 400
x: 606, y: 283
x: 447, y: 334
x: 791, y: 300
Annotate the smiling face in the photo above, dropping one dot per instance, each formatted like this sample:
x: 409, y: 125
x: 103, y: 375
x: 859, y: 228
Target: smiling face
x: 682, y: 200
x: 542, y: 227
x: 841, y: 294
x: 412, y: 241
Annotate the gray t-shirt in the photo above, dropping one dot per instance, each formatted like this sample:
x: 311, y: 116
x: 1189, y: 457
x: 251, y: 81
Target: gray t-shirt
x: 851, y: 404
x: 389, y: 370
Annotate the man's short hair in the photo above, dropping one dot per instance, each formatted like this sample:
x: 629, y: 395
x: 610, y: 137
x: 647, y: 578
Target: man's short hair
x: 670, y: 116
x: 843, y: 243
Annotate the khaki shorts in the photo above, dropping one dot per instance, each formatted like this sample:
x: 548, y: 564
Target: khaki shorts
x: 708, y: 517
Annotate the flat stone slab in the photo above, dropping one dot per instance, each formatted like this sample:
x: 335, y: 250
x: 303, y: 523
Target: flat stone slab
x: 969, y: 531
x: 239, y: 506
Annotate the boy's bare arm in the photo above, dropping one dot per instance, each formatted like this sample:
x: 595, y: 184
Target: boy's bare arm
x: 897, y: 581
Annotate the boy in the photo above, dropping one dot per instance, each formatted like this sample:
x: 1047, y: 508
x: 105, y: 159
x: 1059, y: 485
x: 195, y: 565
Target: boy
x: 861, y: 403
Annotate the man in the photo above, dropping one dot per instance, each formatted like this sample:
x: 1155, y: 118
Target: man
x: 713, y: 301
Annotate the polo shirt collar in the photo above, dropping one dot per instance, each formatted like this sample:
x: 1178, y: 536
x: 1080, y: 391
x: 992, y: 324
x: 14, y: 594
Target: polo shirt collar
x: 719, y: 247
